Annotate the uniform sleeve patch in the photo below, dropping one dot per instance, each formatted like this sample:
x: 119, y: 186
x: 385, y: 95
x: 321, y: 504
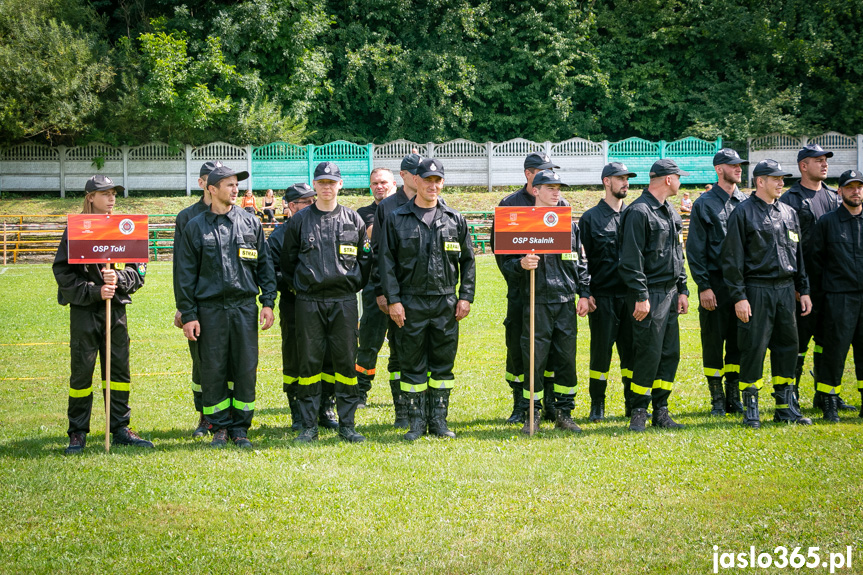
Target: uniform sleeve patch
x: 680, y: 237
x: 247, y: 254
x: 347, y: 250
x: 142, y: 269
x: 793, y: 235
x: 570, y: 257
x: 452, y: 247
x: 119, y: 266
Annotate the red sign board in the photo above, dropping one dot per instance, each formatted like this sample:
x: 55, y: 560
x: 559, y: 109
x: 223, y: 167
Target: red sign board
x: 104, y: 238
x: 538, y: 230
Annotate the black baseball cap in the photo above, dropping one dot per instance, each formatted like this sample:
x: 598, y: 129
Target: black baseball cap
x: 616, y: 169
x: 770, y: 168
x: 812, y: 151
x: 328, y: 171
x: 728, y: 156
x: 849, y: 176
x: 430, y: 167
x: 220, y: 173
x: 410, y: 163
x: 209, y: 167
x: 298, y: 191
x: 539, y: 160
x: 100, y: 183
x: 665, y: 167
x: 547, y: 177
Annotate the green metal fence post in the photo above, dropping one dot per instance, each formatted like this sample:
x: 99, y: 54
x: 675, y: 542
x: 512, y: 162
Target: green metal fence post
x: 311, y: 160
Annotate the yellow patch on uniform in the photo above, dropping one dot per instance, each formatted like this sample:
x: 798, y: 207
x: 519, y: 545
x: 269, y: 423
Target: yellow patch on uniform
x: 680, y: 237
x: 452, y: 247
x: 570, y: 257
x: 119, y: 266
x: 794, y: 237
x: 346, y: 250
x: 246, y: 254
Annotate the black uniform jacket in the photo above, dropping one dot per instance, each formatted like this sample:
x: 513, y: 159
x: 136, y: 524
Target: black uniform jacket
x: 81, y: 284
x: 417, y: 259
x: 708, y: 224
x: 762, y: 248
x: 184, y: 217
x: 519, y: 198
x: 222, y: 262
x: 837, y: 245
x: 810, y: 206
x: 651, y: 247
x: 599, y: 228
x: 558, y: 276
x: 367, y: 213
x: 274, y: 246
x: 326, y: 255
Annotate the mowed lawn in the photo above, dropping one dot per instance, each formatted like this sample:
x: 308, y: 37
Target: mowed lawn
x: 490, y: 501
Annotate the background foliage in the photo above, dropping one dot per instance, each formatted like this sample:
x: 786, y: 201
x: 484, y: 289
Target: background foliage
x: 255, y: 71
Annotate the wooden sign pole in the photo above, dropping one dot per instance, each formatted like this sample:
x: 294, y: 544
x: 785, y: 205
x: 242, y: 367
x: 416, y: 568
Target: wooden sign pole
x: 108, y: 373
x: 530, y: 409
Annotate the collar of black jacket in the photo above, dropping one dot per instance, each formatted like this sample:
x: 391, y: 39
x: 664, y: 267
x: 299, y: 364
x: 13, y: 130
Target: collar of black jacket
x: 844, y: 214
x: 232, y: 214
x: 652, y: 201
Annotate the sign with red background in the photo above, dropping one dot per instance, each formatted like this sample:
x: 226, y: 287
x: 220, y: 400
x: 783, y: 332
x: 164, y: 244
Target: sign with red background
x: 538, y: 230
x: 108, y: 238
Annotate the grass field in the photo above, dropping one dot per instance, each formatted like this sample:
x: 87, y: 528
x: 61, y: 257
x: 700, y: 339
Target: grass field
x: 490, y: 501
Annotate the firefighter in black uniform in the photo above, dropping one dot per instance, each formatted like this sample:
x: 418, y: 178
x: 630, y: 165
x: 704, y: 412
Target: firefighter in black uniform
x: 708, y: 223
x: 403, y: 195
x: 559, y: 277
x: 222, y: 265
x: 762, y: 263
x: 533, y: 163
x: 609, y: 321
x: 297, y: 197
x: 811, y: 198
x: 84, y: 288
x: 426, y: 251
x: 837, y: 272
x: 325, y: 259
x: 651, y: 266
x: 373, y: 323
x: 183, y: 218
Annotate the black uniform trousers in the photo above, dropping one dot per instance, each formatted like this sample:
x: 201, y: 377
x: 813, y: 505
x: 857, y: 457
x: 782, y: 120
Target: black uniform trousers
x: 197, y: 395
x: 555, y: 335
x: 373, y: 329
x: 843, y: 313
x: 327, y: 330
x: 718, y: 332
x: 86, y: 339
x: 514, y: 326
x: 288, y: 325
x: 773, y: 326
x: 809, y: 327
x: 656, y: 348
x: 609, y: 326
x: 228, y: 346
x: 428, y: 342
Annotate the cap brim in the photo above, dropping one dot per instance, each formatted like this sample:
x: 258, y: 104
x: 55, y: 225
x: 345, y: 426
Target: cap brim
x: 815, y: 155
x: 776, y: 173
x: 621, y: 173
x: 545, y: 166
x: 849, y: 181
x: 427, y: 174
x: 734, y: 162
x: 328, y: 177
x: 120, y: 189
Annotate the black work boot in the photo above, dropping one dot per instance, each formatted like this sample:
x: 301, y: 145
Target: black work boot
x: 296, y: 414
x: 400, y: 405
x: 732, y: 396
x: 220, y: 439
x: 638, y: 422
x: 308, y: 435
x: 439, y: 400
x: 241, y: 441
x: 125, y: 436
x: 519, y: 405
x: 661, y: 418
x: 787, y: 409
x: 537, y: 417
x: 416, y: 415
x: 845, y: 406
x: 597, y: 410
x: 816, y: 400
x: 717, y: 397
x: 751, y: 417
x: 77, y: 442
x: 326, y: 414
x: 564, y: 421
x: 349, y: 434
x: 203, y: 427
x: 830, y: 405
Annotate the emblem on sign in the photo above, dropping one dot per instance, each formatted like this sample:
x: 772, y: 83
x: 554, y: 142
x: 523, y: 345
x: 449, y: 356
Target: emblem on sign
x: 127, y: 226
x: 550, y: 219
